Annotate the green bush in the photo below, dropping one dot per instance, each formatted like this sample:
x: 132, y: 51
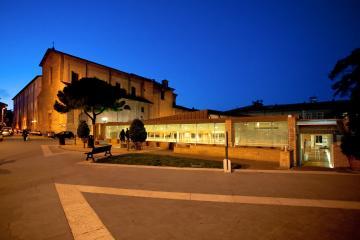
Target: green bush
x: 137, y: 132
x: 83, y: 130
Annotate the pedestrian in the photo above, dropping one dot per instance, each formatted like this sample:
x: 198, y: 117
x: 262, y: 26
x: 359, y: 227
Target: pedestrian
x: 122, y: 137
x: 25, y: 134
x: 127, y: 135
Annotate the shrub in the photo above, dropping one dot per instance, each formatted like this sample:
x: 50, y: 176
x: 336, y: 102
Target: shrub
x: 350, y: 145
x: 83, y: 131
x: 137, y: 133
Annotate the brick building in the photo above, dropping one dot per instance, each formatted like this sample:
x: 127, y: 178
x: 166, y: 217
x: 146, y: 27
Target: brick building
x: 3, y: 107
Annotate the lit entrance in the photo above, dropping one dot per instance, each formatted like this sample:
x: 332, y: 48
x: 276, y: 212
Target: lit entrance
x: 315, y: 142
x: 316, y: 150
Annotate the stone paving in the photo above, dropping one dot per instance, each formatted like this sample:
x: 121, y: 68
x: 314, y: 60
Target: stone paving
x: 39, y: 186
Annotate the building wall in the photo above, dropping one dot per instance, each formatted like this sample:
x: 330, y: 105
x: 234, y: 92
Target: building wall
x: 340, y: 160
x: 26, y: 106
x: 248, y: 153
x: 57, y: 68
x: 2, y: 111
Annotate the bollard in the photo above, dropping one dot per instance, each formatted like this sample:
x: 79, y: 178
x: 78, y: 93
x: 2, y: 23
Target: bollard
x: 227, y: 165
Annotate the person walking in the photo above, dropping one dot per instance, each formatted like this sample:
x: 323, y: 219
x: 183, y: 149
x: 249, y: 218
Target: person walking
x: 25, y: 134
x: 122, y: 137
x: 127, y: 135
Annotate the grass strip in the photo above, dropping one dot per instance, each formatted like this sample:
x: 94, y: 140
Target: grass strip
x: 163, y: 160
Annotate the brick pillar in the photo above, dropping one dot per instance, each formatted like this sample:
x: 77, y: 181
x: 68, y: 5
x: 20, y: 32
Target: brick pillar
x: 229, y: 128
x: 292, y: 138
x: 340, y: 160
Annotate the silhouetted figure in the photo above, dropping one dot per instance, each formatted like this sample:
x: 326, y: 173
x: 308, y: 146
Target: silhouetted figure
x: 25, y: 134
x: 127, y: 135
x: 122, y: 136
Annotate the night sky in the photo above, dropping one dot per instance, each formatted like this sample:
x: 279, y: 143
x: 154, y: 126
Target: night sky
x: 216, y: 54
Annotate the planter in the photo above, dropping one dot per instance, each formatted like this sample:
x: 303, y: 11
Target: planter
x: 354, y: 163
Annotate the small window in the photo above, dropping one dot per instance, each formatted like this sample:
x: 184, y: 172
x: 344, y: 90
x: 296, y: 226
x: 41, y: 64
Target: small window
x: 74, y: 76
x: 142, y: 109
x: 133, y: 91
x: 162, y: 94
x: 318, y: 139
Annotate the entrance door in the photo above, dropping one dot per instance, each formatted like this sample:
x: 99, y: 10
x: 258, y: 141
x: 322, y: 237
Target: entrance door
x: 316, y: 150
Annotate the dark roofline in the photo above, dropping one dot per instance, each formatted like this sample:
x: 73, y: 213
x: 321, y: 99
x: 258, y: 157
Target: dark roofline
x: 37, y: 76
x: 224, y: 113
x: 3, y: 104
x: 288, y: 107
x: 184, y: 108
x: 101, y: 65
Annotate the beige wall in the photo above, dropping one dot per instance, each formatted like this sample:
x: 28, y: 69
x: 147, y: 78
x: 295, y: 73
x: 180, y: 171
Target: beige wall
x: 57, y: 68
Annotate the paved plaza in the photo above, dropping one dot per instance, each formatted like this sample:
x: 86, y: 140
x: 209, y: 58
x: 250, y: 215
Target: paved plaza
x: 48, y: 192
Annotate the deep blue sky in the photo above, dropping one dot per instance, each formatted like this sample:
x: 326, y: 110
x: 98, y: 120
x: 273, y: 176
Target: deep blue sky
x: 217, y: 54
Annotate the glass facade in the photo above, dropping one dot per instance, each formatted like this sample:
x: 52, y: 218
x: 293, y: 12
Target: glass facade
x: 258, y: 134
x: 200, y: 133
x: 261, y: 134
x: 113, y: 132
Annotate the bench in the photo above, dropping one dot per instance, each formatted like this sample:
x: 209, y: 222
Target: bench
x: 106, y: 149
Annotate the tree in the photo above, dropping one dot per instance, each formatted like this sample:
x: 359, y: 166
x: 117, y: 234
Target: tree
x: 91, y: 95
x: 83, y: 131
x: 258, y: 103
x: 137, y: 133
x: 347, y: 73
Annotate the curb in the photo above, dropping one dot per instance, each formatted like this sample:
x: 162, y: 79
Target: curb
x: 235, y: 171
x: 87, y: 163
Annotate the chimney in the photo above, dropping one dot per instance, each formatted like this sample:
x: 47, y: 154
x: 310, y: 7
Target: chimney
x: 165, y: 83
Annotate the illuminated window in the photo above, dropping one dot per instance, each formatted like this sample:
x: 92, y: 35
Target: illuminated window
x: 262, y: 134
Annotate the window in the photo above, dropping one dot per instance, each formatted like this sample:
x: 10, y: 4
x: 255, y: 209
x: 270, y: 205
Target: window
x: 118, y: 85
x: 162, y: 94
x: 142, y: 109
x: 318, y: 139
x: 261, y: 134
x: 133, y: 91
x: 74, y: 76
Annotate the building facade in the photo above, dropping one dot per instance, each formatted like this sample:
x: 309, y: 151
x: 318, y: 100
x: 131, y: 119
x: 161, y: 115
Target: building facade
x: 33, y: 105
x: 26, y: 112
x: 3, y: 107
x: 305, y: 134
